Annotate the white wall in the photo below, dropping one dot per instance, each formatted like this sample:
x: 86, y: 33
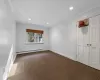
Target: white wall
x: 22, y: 37
x: 7, y: 33
x: 63, y: 38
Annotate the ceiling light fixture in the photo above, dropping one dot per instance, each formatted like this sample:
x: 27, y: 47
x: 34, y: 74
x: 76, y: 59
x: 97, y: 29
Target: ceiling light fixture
x: 71, y: 8
x: 29, y: 19
x: 47, y: 23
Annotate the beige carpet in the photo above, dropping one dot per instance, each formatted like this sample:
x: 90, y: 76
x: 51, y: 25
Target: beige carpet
x: 50, y: 66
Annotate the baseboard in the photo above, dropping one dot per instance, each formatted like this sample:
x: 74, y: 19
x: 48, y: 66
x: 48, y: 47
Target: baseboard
x: 12, y: 63
x: 8, y: 68
x: 38, y: 50
x: 63, y: 55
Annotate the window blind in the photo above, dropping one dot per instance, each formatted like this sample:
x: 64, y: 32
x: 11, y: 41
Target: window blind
x: 34, y: 31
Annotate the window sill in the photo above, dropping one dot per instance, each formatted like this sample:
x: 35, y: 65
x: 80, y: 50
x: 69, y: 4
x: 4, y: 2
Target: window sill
x: 30, y: 43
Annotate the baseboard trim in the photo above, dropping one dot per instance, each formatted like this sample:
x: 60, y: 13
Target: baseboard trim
x: 39, y: 50
x: 63, y: 55
x: 12, y: 63
x: 5, y: 76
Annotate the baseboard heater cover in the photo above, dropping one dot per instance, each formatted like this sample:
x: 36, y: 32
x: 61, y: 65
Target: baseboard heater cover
x: 37, y: 50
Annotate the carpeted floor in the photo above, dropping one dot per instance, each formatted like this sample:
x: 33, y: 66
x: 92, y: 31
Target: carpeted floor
x: 50, y: 66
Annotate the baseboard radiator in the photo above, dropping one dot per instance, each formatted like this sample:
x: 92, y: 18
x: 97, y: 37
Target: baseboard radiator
x: 37, y: 50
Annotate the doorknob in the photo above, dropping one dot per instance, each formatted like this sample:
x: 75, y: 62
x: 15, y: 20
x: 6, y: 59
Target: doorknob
x: 89, y: 44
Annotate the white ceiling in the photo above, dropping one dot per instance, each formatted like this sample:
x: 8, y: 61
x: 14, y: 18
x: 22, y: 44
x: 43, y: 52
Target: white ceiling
x: 51, y: 11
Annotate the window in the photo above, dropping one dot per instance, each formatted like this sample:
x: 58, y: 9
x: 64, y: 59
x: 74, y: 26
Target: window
x: 35, y: 36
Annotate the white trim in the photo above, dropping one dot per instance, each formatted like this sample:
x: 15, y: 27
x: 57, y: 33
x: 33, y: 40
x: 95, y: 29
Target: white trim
x: 10, y: 61
x: 5, y: 76
x: 21, y: 52
x: 72, y: 58
x: 31, y: 43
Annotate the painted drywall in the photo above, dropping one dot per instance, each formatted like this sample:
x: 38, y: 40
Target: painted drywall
x: 63, y: 38
x: 7, y: 39
x: 21, y: 37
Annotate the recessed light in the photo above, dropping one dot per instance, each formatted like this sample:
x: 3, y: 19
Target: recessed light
x: 71, y: 8
x: 47, y: 23
x: 29, y: 19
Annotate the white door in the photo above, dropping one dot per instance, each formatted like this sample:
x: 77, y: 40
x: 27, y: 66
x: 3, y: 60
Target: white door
x: 88, y: 43
x: 82, y: 44
x: 94, y: 58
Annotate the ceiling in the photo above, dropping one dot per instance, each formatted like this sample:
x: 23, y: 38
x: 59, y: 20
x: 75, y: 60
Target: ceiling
x: 42, y: 12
